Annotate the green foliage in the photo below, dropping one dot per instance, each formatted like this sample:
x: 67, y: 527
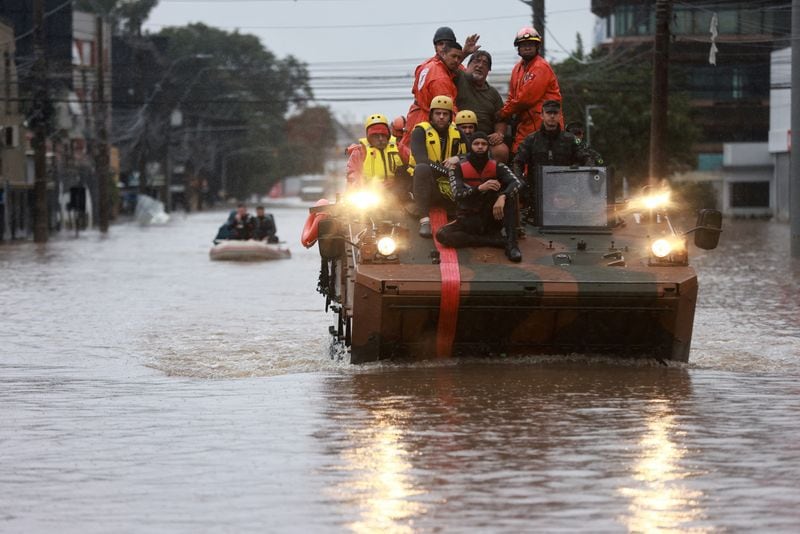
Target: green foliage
x: 126, y: 16
x: 306, y: 132
x: 620, y: 82
x: 235, y: 96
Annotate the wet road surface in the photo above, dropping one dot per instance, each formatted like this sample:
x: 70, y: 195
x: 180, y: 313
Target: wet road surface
x: 144, y: 388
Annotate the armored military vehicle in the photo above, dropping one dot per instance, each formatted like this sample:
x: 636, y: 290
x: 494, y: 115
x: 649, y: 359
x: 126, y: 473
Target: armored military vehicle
x: 597, y: 276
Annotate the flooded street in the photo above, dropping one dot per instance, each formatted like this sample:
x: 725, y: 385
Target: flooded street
x: 144, y: 388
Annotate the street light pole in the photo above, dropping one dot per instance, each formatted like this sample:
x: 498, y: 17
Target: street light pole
x: 101, y: 163
x: 589, y: 123
x: 142, y: 119
x: 40, y: 215
x: 658, y: 119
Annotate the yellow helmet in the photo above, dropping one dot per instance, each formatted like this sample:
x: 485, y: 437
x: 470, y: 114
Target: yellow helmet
x: 466, y: 117
x: 442, y: 102
x: 374, y: 119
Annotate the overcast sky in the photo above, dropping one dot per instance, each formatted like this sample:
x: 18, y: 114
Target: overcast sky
x: 367, y: 49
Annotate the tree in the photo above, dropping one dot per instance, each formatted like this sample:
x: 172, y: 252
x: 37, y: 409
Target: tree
x: 619, y: 83
x: 309, y: 133
x: 234, y: 96
x: 126, y: 16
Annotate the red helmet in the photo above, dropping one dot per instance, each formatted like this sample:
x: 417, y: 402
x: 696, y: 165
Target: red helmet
x: 399, y: 124
x: 527, y: 34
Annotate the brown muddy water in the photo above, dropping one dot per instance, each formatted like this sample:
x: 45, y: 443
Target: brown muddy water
x: 144, y: 388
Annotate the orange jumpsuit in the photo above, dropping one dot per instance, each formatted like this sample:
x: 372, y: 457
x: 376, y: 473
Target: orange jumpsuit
x: 530, y: 86
x: 431, y: 79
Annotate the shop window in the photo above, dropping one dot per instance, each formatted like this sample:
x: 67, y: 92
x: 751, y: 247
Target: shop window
x: 728, y: 21
x: 750, y: 195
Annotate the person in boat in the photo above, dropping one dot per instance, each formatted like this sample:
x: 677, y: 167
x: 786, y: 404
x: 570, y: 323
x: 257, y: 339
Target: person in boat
x: 435, y: 147
x: 532, y: 83
x: 264, y: 226
x: 238, y: 226
x: 486, y: 193
x: 550, y: 145
x: 436, y: 78
x: 477, y: 95
x: 376, y: 158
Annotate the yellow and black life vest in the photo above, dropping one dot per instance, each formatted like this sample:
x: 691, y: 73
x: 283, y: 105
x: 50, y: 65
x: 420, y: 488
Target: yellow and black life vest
x: 455, y: 144
x: 380, y: 164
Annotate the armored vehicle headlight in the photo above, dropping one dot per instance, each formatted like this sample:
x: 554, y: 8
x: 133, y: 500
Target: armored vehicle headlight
x: 657, y: 200
x: 387, y: 246
x: 661, y: 248
x: 364, y: 200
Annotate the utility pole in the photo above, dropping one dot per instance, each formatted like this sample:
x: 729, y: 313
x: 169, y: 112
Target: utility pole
x: 101, y: 156
x: 537, y: 7
x: 794, y: 155
x: 658, y: 120
x: 40, y: 103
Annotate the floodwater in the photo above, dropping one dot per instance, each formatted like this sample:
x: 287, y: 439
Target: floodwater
x: 144, y: 388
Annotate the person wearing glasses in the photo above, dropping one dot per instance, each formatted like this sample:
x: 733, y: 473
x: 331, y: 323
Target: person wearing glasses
x: 532, y: 83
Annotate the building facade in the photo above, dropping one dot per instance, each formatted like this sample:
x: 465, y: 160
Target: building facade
x: 728, y: 87
x: 14, y: 184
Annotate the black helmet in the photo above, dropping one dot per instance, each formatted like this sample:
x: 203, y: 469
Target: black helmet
x: 444, y: 34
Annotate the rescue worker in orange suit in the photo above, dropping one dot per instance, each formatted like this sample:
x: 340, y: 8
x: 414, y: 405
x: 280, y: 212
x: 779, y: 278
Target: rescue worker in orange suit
x: 398, y: 131
x: 435, y: 146
x: 437, y: 78
x: 375, y: 159
x: 532, y: 82
x: 486, y: 193
x: 443, y: 36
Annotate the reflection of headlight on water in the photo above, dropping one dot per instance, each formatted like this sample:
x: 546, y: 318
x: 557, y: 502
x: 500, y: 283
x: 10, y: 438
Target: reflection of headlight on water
x: 664, y: 247
x: 364, y: 200
x: 387, y: 246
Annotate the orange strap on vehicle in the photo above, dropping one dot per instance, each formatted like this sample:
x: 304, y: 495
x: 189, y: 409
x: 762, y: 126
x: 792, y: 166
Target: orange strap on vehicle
x: 451, y: 289
x: 311, y: 228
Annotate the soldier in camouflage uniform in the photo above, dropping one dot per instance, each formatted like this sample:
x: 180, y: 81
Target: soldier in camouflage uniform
x: 550, y: 145
x: 576, y: 128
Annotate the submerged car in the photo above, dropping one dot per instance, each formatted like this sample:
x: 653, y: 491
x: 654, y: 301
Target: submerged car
x: 597, y: 277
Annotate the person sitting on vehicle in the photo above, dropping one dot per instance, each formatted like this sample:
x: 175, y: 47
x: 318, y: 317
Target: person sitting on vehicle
x: 436, y: 143
x: 264, y: 226
x: 376, y: 159
x: 576, y: 129
x: 486, y: 193
x: 532, y: 83
x: 549, y: 145
x: 436, y: 78
x: 467, y: 122
x: 398, y: 131
x: 478, y: 95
